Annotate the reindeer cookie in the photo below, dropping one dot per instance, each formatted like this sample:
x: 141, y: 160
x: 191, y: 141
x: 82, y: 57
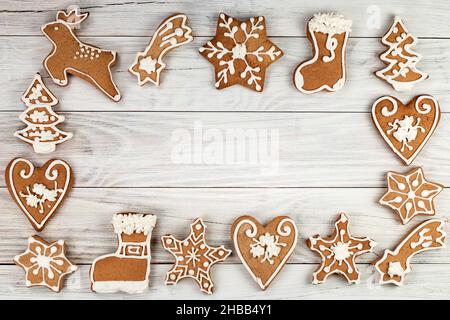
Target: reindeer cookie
x: 328, y: 34
x: 395, y: 265
x: 171, y: 33
x: 406, y: 128
x: 70, y: 55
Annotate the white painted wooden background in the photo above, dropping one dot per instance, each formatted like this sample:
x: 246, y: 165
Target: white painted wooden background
x: 331, y: 159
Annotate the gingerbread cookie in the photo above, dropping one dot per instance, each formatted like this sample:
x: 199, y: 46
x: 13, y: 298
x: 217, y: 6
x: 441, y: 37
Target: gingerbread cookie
x: 171, y: 33
x: 400, y: 60
x: 410, y: 194
x: 38, y: 191
x: 338, y: 252
x: 406, y: 128
x: 240, y: 52
x: 45, y: 264
x: 328, y: 34
x: 70, y: 55
x: 193, y: 257
x: 128, y: 268
x: 264, y: 250
x: 395, y: 265
x: 41, y: 131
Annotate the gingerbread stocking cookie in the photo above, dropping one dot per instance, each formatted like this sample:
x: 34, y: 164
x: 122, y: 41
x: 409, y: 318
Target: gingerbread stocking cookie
x: 41, y: 130
x: 410, y: 194
x: 400, y: 60
x: 38, y: 191
x: 45, y: 264
x: 264, y: 250
x: 171, y: 33
x: 338, y: 252
x: 406, y: 128
x: 127, y: 269
x: 70, y: 55
x: 395, y: 265
x: 328, y: 34
x: 240, y: 52
x: 193, y: 257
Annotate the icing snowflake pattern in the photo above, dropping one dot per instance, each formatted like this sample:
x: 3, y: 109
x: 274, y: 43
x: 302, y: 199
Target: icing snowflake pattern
x: 240, y: 52
x: 267, y: 246
x: 410, y: 194
x: 38, y: 194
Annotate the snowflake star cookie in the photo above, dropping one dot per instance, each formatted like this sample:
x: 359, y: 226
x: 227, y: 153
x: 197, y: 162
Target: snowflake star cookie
x: 171, y: 33
x: 38, y: 191
x: 400, y: 60
x: 264, y: 250
x: 193, y: 257
x: 45, y: 264
x: 406, y: 128
x: 395, y: 265
x: 41, y: 131
x: 338, y: 252
x: 240, y: 52
x: 328, y: 34
x: 410, y: 194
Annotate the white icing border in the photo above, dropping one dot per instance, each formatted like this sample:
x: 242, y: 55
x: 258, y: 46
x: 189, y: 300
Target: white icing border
x: 36, y: 225
x: 38, y: 78
x: 252, y: 234
x: 409, y: 160
x: 440, y: 240
x: 163, y: 53
x: 65, y: 82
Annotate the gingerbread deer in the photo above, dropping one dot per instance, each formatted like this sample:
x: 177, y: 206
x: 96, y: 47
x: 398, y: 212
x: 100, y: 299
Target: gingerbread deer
x: 70, y: 55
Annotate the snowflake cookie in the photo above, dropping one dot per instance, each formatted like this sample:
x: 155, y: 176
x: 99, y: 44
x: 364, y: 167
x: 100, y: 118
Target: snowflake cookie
x: 45, y: 263
x: 193, y: 257
x: 264, y: 250
x: 410, y: 194
x: 38, y: 191
x: 406, y: 128
x: 338, y: 252
x: 240, y: 52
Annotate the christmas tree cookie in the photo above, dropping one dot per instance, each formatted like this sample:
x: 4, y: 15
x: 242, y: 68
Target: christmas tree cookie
x: 41, y: 130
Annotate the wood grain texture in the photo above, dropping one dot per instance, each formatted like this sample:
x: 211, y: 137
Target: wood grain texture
x: 188, y: 82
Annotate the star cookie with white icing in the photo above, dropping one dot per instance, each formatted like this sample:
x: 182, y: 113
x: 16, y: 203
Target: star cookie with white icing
x: 193, y: 257
x: 338, y: 252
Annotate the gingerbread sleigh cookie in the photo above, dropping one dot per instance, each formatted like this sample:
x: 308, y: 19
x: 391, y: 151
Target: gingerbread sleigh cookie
x: 45, y: 264
x: 38, y: 191
x: 338, y: 252
x: 171, y: 33
x: 41, y: 130
x: 328, y: 34
x: 193, y: 257
x: 406, y: 128
x: 70, y: 55
x: 395, y: 265
x: 240, y: 52
x: 264, y: 250
x: 400, y: 60
x: 410, y: 194
x: 128, y: 268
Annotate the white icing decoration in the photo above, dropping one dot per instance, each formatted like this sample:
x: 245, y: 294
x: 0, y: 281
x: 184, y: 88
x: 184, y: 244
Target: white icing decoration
x: 331, y: 23
x: 133, y: 223
x: 266, y: 246
x: 395, y: 269
x: 38, y: 194
x: 405, y: 130
x: 169, y: 38
x: 331, y: 45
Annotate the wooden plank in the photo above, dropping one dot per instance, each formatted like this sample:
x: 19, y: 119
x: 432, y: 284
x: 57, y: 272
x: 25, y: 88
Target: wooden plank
x: 84, y: 221
x: 293, y: 282
x: 187, y: 84
x: 139, y: 149
x: 285, y: 17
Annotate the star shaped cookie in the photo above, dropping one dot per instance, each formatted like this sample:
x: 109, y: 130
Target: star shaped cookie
x: 45, y: 263
x: 240, y: 52
x: 338, y: 252
x: 410, y: 194
x: 193, y: 257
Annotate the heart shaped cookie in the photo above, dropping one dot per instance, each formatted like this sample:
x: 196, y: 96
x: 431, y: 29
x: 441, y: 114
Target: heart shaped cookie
x: 406, y: 128
x: 264, y: 250
x: 38, y: 191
